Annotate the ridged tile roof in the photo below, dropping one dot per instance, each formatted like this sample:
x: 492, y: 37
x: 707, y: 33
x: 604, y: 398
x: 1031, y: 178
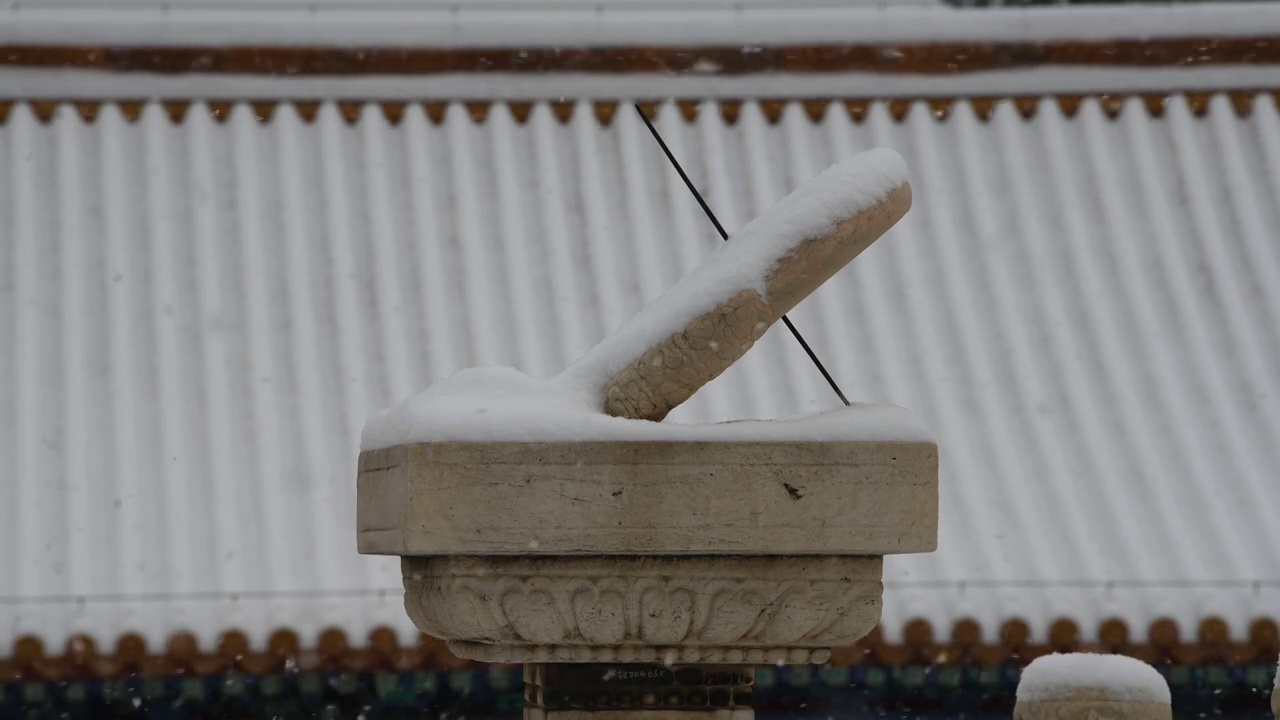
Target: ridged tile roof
x: 609, y: 23
x: 196, y: 319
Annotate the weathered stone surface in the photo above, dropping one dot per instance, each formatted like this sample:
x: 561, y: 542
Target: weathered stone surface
x: 644, y: 609
x: 1096, y: 709
x: 663, y: 498
x: 1091, y: 686
x: 671, y: 372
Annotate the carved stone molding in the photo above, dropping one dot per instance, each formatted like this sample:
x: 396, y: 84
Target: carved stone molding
x: 644, y: 609
x: 638, y: 654
x: 1092, y: 710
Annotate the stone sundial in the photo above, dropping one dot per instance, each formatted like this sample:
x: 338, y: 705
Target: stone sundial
x: 640, y: 567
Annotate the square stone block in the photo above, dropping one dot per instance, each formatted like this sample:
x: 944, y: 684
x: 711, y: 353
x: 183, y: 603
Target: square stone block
x: 649, y: 498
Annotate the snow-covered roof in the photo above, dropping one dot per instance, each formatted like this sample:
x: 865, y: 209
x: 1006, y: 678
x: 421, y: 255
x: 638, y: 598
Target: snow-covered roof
x: 92, y: 85
x: 608, y: 23
x: 196, y: 319
x: 553, y: 49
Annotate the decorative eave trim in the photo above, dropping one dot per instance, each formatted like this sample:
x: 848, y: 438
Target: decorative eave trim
x: 29, y: 659
x: 815, y: 109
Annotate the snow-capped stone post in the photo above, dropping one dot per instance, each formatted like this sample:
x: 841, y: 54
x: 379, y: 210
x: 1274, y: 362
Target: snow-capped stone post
x: 1088, y: 686
x: 637, y: 566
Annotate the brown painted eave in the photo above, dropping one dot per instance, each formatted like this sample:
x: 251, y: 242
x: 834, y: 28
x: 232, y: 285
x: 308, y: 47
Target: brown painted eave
x: 932, y: 58
x: 1164, y: 642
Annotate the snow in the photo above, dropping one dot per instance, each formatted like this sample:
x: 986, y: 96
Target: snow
x: 744, y: 262
x: 64, y: 84
x: 542, y: 24
x: 504, y: 404
x: 497, y: 404
x: 1120, y: 678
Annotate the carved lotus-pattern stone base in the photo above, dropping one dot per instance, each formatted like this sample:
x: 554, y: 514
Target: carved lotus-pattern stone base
x: 637, y: 654
x: 644, y: 609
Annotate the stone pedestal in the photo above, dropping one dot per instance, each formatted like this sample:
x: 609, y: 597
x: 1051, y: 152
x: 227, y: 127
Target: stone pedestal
x: 666, y: 569
x: 675, y: 552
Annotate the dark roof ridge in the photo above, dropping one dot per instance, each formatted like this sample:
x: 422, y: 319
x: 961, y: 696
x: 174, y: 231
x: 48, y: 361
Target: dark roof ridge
x: 944, y: 58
